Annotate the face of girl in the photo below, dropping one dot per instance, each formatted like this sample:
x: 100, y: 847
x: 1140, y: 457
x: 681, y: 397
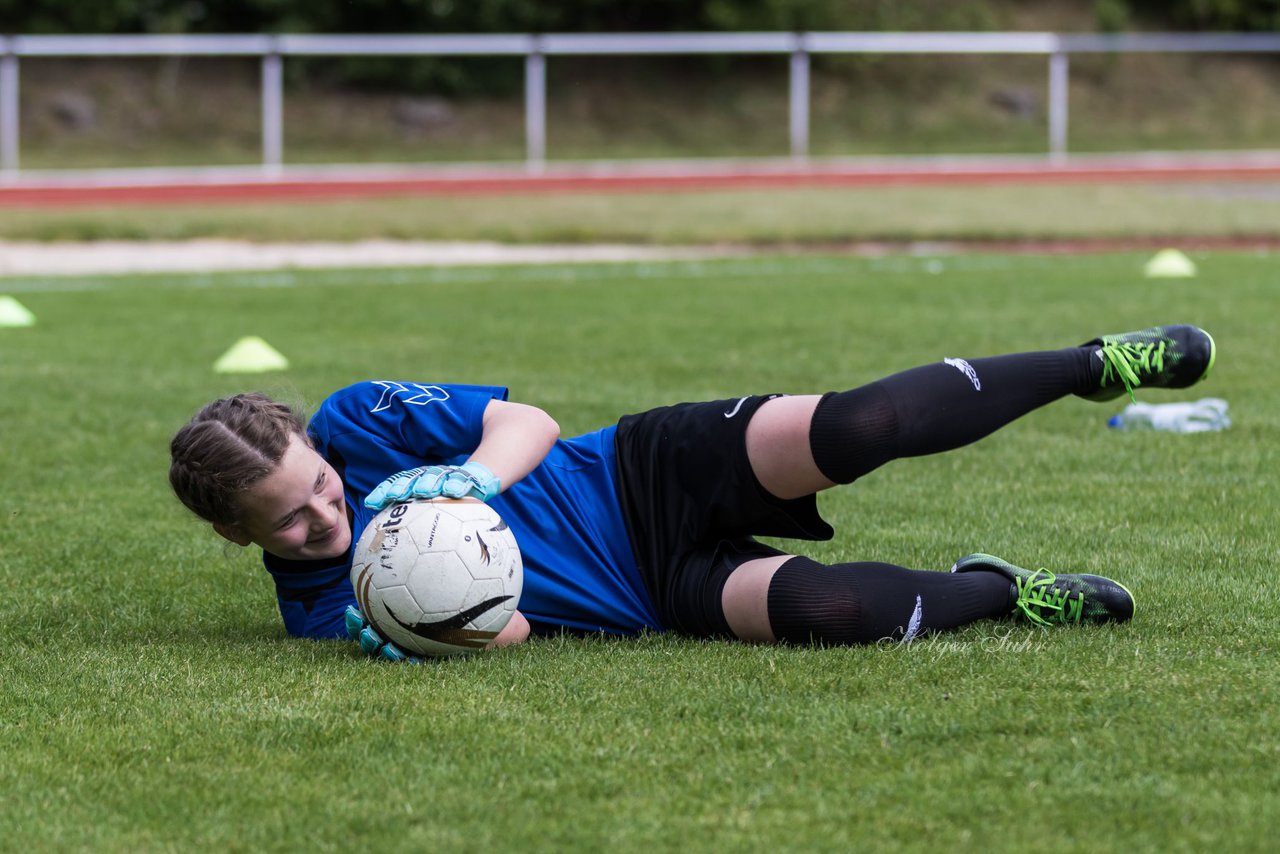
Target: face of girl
x: 297, y: 512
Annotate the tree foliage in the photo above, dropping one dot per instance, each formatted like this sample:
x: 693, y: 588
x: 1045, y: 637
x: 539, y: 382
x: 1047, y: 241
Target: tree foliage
x: 489, y: 16
x: 1228, y: 15
x: 534, y: 16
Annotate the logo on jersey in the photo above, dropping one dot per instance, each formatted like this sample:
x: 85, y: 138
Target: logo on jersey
x: 410, y: 394
x: 967, y: 369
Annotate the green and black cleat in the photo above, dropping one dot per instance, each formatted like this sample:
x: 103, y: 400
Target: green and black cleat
x: 1160, y: 357
x: 1048, y: 599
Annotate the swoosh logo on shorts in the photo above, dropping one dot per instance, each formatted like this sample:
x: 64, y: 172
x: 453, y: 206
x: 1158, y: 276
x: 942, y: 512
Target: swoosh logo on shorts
x: 735, y: 409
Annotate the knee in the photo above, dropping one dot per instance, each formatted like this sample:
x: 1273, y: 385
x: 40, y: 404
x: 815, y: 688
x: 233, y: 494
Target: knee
x: 854, y: 432
x: 812, y: 603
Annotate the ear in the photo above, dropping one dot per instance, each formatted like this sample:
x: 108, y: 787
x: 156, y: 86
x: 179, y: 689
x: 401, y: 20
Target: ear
x: 234, y: 533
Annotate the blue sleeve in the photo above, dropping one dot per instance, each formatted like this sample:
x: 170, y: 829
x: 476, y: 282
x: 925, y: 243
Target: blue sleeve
x: 429, y: 422
x: 318, y: 613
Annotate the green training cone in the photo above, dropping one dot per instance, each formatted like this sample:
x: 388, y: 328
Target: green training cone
x: 14, y: 313
x: 250, y: 355
x: 1169, y: 264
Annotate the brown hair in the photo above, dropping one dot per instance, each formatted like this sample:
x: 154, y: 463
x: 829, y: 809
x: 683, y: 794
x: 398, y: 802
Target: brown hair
x: 228, y: 446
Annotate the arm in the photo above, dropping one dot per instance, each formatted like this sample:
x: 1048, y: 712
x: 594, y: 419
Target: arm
x: 515, y: 439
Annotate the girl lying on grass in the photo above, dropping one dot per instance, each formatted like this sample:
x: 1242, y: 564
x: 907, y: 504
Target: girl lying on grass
x: 651, y: 523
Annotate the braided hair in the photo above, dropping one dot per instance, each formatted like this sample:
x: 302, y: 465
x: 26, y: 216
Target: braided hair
x: 226, y: 448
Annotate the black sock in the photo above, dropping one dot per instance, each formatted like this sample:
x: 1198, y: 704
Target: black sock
x: 852, y: 603
x: 939, y: 407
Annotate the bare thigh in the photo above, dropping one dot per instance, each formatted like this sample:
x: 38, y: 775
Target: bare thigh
x: 778, y: 447
x: 746, y: 598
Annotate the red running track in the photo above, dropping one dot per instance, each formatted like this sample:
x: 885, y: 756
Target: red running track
x: 193, y: 187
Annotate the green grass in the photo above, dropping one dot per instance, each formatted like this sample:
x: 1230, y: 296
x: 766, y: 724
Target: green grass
x: 806, y: 216
x: 152, y: 702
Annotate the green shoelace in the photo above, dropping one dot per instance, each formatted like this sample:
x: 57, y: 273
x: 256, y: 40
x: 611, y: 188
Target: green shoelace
x: 1038, y: 595
x: 1127, y: 361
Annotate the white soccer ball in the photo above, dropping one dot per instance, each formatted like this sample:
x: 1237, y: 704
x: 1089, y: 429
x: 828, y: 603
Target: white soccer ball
x: 438, y: 577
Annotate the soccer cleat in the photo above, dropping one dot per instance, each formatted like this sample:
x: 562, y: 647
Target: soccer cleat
x: 1162, y: 357
x: 1045, y: 598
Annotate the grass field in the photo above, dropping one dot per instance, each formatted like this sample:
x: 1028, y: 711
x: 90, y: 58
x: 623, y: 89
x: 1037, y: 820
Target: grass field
x: 152, y: 702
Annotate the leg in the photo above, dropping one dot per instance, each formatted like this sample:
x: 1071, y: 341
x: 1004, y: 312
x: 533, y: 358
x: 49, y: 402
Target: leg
x: 795, y: 599
x: 746, y: 599
x: 800, y: 445
x: 779, y: 450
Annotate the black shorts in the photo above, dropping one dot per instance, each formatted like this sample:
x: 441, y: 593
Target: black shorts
x: 693, y: 507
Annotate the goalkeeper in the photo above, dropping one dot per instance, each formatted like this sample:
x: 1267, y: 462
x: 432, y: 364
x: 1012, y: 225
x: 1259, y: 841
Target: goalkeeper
x: 651, y: 523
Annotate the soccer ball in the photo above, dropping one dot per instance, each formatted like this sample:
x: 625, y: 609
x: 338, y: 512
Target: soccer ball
x: 438, y: 577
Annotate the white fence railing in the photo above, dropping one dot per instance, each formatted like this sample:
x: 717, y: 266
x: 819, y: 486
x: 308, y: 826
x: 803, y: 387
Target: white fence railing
x: 535, y: 49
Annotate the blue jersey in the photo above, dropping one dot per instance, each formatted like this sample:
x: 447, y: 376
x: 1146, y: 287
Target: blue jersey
x: 579, y: 569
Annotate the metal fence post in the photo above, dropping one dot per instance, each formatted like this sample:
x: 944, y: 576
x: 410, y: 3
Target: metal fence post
x: 799, y: 47
x: 8, y: 109
x: 799, y: 101
x: 1058, y: 68
x: 272, y: 110
x: 535, y: 107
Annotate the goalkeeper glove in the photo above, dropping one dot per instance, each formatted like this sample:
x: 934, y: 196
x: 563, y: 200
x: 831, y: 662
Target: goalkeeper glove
x: 469, y: 480
x: 359, y: 630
